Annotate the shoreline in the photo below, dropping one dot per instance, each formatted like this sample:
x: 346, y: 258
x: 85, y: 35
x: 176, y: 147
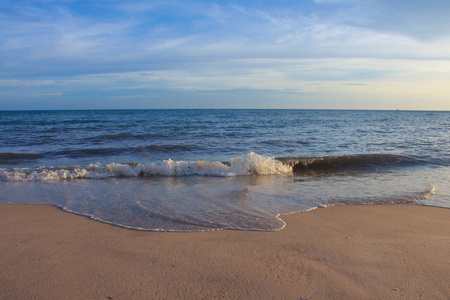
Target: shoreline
x: 360, y: 251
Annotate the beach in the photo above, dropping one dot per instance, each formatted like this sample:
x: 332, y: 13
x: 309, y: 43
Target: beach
x: 224, y: 150
x: 340, y: 252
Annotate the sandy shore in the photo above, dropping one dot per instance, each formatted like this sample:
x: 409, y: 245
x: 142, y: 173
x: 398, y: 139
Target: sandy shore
x: 351, y: 252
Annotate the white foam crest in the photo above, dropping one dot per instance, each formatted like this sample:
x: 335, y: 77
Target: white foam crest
x: 250, y: 164
x: 253, y: 163
x: 185, y: 168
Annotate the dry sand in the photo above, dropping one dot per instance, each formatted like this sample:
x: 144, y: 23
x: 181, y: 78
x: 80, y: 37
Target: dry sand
x: 346, y: 252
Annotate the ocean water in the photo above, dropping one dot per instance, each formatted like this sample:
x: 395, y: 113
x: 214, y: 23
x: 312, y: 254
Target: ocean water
x: 189, y: 170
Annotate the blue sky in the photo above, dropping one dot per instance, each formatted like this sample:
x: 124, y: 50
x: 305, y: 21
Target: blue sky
x: 344, y: 54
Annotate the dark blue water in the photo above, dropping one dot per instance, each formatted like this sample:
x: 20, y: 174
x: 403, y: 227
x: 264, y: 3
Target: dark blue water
x: 209, y: 169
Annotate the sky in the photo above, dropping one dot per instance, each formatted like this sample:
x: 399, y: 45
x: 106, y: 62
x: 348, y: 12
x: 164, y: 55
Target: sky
x: 306, y: 54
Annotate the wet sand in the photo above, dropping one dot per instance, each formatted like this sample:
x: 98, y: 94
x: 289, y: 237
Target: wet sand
x: 343, y: 252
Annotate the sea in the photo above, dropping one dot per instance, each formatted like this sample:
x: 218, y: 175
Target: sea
x: 197, y: 170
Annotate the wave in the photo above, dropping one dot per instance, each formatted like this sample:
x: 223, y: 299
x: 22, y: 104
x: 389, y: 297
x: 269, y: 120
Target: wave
x: 25, y: 156
x: 84, y: 121
x: 92, y: 152
x: 407, y: 198
x: 346, y: 162
x: 116, y: 151
x: 163, y: 148
x: 250, y: 164
x: 125, y: 136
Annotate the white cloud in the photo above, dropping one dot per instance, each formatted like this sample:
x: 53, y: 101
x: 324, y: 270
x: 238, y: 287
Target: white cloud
x: 131, y: 97
x: 47, y: 94
x: 27, y: 82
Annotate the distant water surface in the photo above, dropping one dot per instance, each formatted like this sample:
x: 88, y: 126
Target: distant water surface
x: 179, y: 170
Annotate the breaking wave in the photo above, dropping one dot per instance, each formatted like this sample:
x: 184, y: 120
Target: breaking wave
x: 347, y: 162
x: 250, y: 164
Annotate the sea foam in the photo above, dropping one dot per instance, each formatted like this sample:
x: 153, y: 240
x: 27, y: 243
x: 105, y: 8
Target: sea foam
x: 250, y: 164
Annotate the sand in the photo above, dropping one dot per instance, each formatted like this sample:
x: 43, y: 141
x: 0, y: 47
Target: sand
x: 344, y: 252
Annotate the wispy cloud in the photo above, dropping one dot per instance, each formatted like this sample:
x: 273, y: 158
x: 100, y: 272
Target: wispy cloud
x: 132, y: 97
x: 46, y: 95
